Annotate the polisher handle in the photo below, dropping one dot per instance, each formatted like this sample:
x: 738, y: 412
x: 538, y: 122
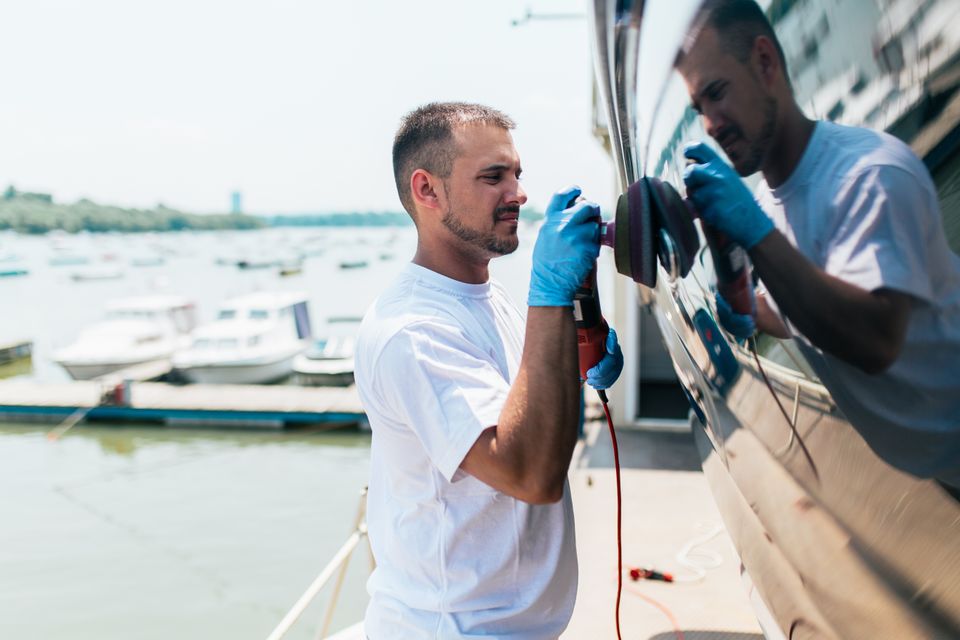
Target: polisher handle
x: 592, y: 328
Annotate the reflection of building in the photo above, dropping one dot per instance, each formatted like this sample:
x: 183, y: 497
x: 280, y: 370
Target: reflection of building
x: 236, y: 202
x: 885, y: 64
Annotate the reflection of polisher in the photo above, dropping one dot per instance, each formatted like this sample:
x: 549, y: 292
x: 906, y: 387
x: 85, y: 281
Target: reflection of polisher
x: 653, y: 220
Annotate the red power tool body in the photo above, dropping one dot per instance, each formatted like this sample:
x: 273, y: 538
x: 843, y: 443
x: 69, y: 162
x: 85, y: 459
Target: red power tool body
x: 592, y: 328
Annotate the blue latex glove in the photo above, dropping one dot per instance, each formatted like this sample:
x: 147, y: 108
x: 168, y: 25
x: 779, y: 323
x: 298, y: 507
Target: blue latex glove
x: 566, y: 249
x: 606, y: 372
x: 740, y: 325
x: 721, y: 197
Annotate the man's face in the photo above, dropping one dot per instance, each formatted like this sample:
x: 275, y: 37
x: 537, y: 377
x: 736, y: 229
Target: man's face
x: 738, y: 111
x: 484, y: 195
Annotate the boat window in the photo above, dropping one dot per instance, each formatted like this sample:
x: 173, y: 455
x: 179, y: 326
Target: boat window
x: 202, y: 343
x: 259, y: 314
x: 227, y: 314
x: 227, y: 343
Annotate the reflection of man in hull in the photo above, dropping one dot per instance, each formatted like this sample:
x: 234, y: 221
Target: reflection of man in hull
x: 846, y: 235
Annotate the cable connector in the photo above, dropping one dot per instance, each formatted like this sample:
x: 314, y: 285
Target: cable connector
x: 638, y: 573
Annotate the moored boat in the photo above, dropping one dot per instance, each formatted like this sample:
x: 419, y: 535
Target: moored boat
x: 134, y: 331
x: 253, y: 340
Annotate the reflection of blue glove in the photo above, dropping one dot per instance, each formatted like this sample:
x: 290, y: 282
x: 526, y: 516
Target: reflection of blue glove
x: 606, y: 372
x: 567, y: 248
x: 722, y: 198
x: 740, y: 325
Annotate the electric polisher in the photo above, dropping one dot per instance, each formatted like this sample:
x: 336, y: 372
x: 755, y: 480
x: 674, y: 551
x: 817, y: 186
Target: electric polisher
x: 651, y: 215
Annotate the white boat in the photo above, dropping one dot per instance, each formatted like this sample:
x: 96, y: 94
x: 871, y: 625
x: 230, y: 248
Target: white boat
x: 253, y: 341
x: 97, y: 273
x: 134, y: 331
x: 327, y: 363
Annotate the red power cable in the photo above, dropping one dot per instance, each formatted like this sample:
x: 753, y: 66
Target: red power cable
x: 616, y: 467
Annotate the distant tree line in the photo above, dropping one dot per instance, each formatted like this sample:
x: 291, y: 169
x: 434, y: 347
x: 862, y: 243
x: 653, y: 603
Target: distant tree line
x: 36, y: 213
x: 343, y: 219
x: 363, y: 219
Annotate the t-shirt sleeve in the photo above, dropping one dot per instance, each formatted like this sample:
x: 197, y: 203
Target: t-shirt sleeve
x: 445, y: 388
x: 882, y: 239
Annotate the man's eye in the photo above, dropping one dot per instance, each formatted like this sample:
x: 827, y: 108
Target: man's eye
x: 716, y: 93
x: 495, y: 178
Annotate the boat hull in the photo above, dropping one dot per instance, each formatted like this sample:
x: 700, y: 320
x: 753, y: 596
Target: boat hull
x: 238, y: 372
x: 838, y: 542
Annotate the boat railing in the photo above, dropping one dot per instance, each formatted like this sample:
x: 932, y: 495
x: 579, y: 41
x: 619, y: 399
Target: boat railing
x: 338, y: 564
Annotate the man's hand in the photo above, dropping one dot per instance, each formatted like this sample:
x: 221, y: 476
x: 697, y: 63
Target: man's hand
x: 722, y: 199
x: 566, y: 249
x: 740, y: 325
x: 606, y: 372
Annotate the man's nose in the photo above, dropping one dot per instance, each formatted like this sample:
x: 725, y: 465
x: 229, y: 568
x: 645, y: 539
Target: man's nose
x: 521, y: 195
x: 518, y: 196
x: 712, y: 122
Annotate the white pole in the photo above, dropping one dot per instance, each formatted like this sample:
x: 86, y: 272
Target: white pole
x: 318, y: 584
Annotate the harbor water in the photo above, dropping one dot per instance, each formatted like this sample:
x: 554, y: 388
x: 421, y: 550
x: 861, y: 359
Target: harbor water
x: 127, y: 531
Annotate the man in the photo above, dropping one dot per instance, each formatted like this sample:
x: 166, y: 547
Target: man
x: 474, y: 424
x: 846, y: 236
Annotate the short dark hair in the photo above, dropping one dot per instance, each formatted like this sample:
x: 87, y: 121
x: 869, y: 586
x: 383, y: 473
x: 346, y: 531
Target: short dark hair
x: 739, y: 23
x: 425, y: 140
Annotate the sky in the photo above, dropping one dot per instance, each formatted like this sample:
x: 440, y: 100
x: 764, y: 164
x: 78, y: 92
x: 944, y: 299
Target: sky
x: 293, y: 103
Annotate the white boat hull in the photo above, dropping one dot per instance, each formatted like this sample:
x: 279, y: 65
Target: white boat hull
x: 238, y: 372
x: 89, y: 371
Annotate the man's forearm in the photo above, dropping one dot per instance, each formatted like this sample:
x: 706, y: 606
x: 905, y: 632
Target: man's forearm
x: 539, y: 420
x: 853, y: 324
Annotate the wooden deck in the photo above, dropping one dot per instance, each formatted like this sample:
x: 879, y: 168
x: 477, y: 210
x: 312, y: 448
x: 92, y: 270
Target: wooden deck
x: 243, y: 406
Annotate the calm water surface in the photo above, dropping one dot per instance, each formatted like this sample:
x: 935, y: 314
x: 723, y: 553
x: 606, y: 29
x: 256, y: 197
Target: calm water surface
x: 132, y: 532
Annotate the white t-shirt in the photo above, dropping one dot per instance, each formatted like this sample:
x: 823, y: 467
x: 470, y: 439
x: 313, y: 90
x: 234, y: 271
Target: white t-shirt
x: 455, y: 558
x: 862, y: 207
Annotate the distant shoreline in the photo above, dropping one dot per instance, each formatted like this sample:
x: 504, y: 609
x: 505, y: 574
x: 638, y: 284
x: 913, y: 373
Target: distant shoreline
x: 37, y: 214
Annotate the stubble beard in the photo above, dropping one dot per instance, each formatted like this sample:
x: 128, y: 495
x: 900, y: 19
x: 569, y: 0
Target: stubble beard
x: 486, y: 241
x: 761, y: 144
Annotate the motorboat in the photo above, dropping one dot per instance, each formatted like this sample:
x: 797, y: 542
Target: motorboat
x: 95, y: 274
x: 835, y: 541
x: 134, y: 331
x: 329, y: 360
x: 253, y: 340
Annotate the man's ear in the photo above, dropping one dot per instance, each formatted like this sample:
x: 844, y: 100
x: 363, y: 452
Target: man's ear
x: 427, y: 190
x: 767, y: 61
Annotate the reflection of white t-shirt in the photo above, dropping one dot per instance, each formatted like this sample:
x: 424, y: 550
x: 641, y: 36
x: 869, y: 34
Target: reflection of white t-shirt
x: 863, y: 208
x: 455, y: 558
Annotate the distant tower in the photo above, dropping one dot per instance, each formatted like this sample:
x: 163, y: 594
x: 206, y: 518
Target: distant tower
x: 236, y: 202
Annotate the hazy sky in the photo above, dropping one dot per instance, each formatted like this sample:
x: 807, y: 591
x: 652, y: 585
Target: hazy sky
x: 292, y: 102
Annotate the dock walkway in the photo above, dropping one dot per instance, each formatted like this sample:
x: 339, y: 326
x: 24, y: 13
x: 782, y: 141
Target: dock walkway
x: 241, y: 406
x: 666, y: 504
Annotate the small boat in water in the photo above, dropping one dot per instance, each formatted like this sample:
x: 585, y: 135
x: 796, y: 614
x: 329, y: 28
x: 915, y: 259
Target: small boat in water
x: 353, y: 264
x: 95, y: 274
x: 148, y: 261
x: 329, y: 360
x: 253, y: 340
x: 134, y: 331
x: 68, y: 259
x: 12, y: 273
x: 327, y: 363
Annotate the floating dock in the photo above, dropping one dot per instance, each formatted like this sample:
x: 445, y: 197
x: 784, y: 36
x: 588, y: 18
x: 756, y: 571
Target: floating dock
x: 207, y: 405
